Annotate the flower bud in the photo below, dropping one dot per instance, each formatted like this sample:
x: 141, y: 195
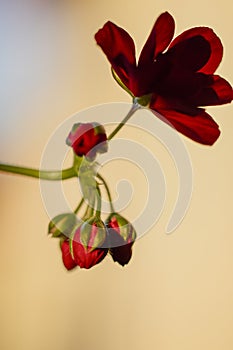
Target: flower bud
x: 62, y: 224
x: 87, y: 139
x: 67, y: 259
x: 88, y: 242
x: 121, y: 236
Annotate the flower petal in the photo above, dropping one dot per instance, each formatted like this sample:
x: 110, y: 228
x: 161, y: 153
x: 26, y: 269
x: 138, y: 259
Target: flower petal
x: 68, y: 261
x: 216, y: 48
x: 198, y: 126
x: 218, y: 93
x: 159, y: 38
x: 190, y: 54
x: 119, y: 48
x: 180, y: 83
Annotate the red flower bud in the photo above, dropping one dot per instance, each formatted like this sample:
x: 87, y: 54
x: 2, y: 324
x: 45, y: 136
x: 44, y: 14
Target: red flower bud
x: 121, y: 236
x: 88, y: 242
x: 87, y: 139
x: 68, y: 261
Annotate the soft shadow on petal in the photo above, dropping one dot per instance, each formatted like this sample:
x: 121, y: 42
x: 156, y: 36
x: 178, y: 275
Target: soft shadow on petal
x: 181, y: 83
x: 218, y: 93
x: 190, y: 54
x: 216, y: 47
x: 119, y: 48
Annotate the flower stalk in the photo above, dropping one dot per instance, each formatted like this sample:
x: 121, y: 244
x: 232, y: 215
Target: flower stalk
x: 52, y: 175
x: 108, y: 192
x: 79, y: 206
x: 133, y: 109
x: 56, y: 175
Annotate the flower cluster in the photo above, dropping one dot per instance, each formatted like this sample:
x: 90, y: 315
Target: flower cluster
x: 86, y: 243
x: 175, y: 79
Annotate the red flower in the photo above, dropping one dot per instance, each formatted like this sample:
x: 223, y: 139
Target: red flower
x: 178, y: 81
x: 68, y: 261
x: 87, y: 139
x: 121, y: 236
x: 87, y: 244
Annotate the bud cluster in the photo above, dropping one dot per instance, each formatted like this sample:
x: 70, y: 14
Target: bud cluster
x: 86, y: 243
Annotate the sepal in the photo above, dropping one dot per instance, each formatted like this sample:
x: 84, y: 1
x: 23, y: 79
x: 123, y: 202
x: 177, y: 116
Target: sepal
x: 93, y: 233
x: 62, y: 224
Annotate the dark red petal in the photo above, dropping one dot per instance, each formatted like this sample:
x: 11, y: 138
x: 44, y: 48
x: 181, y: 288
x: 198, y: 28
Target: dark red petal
x: 216, y: 47
x: 68, y: 261
x: 119, y: 48
x: 190, y: 54
x: 180, y: 83
x: 159, y: 38
x: 199, y: 127
x: 218, y: 93
x: 122, y: 254
x: 120, y: 251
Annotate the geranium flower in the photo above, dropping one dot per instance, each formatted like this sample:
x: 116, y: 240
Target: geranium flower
x: 176, y: 82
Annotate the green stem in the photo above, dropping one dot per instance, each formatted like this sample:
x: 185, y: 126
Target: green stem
x: 66, y: 173
x: 40, y: 174
x: 108, y: 192
x: 132, y: 110
x: 90, y: 206
x: 79, y: 206
x: 99, y: 201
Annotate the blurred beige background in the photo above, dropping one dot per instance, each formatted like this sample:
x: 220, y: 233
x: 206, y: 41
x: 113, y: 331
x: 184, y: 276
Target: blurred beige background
x: 177, y: 292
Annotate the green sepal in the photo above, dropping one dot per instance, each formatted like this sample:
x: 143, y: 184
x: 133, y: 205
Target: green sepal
x: 126, y: 229
x: 62, y: 224
x: 143, y: 100
x: 86, y: 233
x: 73, y: 131
x: 119, y: 82
x: 72, y: 238
x: 62, y: 239
x: 98, y: 128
